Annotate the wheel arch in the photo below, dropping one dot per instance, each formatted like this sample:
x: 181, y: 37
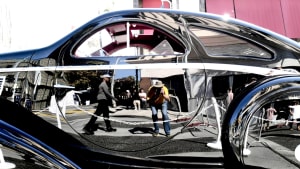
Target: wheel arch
x: 242, y: 109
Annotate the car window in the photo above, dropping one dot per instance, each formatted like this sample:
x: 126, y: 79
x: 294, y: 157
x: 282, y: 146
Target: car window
x: 129, y: 39
x: 221, y: 44
x: 93, y: 45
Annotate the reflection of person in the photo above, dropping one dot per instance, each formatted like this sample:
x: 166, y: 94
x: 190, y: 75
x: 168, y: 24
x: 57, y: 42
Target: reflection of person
x: 229, y: 97
x: 294, y: 115
x: 128, y: 99
x: 103, y: 107
x: 136, y: 100
x: 143, y: 98
x: 158, y: 98
x: 270, y: 116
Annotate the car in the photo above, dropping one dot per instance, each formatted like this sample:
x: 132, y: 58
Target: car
x: 223, y: 75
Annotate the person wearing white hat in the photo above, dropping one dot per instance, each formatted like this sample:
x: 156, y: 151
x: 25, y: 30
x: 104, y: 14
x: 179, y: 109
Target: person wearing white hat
x: 158, y: 98
x: 103, y: 107
x: 105, y: 76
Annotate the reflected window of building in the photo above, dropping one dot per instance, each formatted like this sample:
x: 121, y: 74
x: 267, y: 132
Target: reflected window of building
x: 221, y: 44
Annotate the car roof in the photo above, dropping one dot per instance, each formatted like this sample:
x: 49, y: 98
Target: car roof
x: 220, y: 22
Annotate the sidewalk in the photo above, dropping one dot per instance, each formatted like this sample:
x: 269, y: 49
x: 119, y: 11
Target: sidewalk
x: 133, y: 128
x: 125, y: 119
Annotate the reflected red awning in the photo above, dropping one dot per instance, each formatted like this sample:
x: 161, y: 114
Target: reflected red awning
x: 280, y: 16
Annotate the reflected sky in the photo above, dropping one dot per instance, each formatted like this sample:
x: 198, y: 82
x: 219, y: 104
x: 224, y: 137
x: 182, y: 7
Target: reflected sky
x: 42, y: 21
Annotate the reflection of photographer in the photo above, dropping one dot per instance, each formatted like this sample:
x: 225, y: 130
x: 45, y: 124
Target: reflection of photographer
x: 155, y: 96
x: 158, y: 98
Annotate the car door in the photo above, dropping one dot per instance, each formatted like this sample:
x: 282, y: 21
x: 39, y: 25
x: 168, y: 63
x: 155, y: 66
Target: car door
x: 136, y: 53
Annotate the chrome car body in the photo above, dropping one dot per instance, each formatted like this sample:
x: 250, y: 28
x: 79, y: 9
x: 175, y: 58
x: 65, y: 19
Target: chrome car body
x: 198, y: 56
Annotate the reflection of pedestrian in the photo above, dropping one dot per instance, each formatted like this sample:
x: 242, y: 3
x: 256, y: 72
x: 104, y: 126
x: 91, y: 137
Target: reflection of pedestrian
x: 136, y: 100
x: 294, y: 115
x: 143, y: 98
x: 270, y: 116
x: 158, y: 98
x: 28, y: 102
x: 17, y: 99
x: 229, y: 97
x: 103, y: 107
x: 128, y: 99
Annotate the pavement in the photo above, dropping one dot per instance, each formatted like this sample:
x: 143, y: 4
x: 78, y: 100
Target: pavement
x: 130, y: 118
x: 134, y: 125
x: 134, y: 137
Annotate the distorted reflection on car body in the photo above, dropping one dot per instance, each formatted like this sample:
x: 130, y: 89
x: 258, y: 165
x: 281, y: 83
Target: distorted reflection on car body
x: 222, y: 75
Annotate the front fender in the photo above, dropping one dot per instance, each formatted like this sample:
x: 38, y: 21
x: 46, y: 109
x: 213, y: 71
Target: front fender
x: 243, y: 141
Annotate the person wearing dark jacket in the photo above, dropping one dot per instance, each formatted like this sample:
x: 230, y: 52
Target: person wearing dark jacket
x: 103, y: 98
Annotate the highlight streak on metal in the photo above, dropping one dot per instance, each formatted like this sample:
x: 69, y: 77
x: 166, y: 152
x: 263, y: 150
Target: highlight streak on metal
x: 207, y: 66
